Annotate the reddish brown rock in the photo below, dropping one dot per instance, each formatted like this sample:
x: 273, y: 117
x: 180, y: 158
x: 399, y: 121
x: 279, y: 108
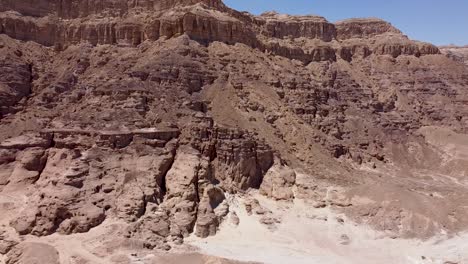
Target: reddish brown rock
x: 75, y: 8
x: 15, y: 80
x: 363, y: 28
x: 159, y: 114
x: 29, y: 166
x: 281, y: 26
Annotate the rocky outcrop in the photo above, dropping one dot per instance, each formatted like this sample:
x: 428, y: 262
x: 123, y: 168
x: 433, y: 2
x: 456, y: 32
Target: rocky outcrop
x: 274, y: 25
x: 387, y: 40
x: 73, y: 186
x: 182, y: 191
x: 456, y: 53
x: 245, y: 167
x: 98, y: 32
x: 209, y: 22
x: 80, y: 183
x: 404, y: 47
x: 27, y: 140
x: 29, y: 165
x: 7, y: 242
x: 75, y: 9
x: 15, y: 80
x: 315, y: 54
x: 278, y: 183
x: 363, y: 28
x: 354, y: 51
x: 211, y: 211
x: 30, y: 253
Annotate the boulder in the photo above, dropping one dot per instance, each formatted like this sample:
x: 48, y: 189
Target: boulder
x: 278, y: 183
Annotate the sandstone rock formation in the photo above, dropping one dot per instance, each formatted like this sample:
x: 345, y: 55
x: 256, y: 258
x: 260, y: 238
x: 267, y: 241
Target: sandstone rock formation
x: 456, y: 53
x: 152, y: 114
x: 278, y: 183
x: 31, y: 253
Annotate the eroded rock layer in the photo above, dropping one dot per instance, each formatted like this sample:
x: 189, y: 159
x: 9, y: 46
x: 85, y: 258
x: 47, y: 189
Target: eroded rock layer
x: 64, y: 23
x: 153, y: 113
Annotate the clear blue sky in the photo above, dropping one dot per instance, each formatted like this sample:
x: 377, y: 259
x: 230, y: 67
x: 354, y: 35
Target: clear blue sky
x: 437, y: 21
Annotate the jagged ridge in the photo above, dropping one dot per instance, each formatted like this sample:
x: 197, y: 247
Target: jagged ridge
x: 130, y: 23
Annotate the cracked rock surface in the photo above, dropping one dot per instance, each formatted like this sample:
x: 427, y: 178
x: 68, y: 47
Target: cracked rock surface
x: 131, y: 125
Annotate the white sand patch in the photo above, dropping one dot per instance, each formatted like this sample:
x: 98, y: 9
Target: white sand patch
x: 310, y: 235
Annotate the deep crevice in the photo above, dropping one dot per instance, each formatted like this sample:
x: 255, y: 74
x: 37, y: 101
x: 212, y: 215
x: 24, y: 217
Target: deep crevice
x: 164, y: 175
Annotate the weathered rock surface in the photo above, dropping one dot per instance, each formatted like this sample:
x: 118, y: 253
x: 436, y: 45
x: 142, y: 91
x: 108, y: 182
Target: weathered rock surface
x: 278, y: 183
x: 363, y: 28
x: 15, y: 81
x: 457, y: 53
x: 32, y: 253
x: 153, y: 113
x: 75, y: 8
x: 7, y: 242
x: 121, y: 22
x: 281, y: 26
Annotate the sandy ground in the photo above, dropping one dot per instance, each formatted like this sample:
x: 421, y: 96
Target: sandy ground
x: 309, y: 235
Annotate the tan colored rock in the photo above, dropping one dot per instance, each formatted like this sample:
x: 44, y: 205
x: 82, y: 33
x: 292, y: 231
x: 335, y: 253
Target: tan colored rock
x: 252, y: 206
x: 7, y: 242
x: 209, y: 213
x: 456, y: 53
x: 153, y: 228
x: 29, y: 166
x: 181, y: 196
x: 278, y: 183
x: 234, y: 219
x: 26, y: 141
x: 86, y: 217
x: 33, y: 253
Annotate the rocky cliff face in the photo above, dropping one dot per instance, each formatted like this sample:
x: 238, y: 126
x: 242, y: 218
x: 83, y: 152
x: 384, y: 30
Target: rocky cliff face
x: 456, y: 53
x: 70, y: 9
x: 363, y: 28
x: 61, y: 24
x: 152, y: 114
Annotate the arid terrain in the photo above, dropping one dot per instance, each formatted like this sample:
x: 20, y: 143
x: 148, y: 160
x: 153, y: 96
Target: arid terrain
x: 456, y: 53
x: 183, y: 131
